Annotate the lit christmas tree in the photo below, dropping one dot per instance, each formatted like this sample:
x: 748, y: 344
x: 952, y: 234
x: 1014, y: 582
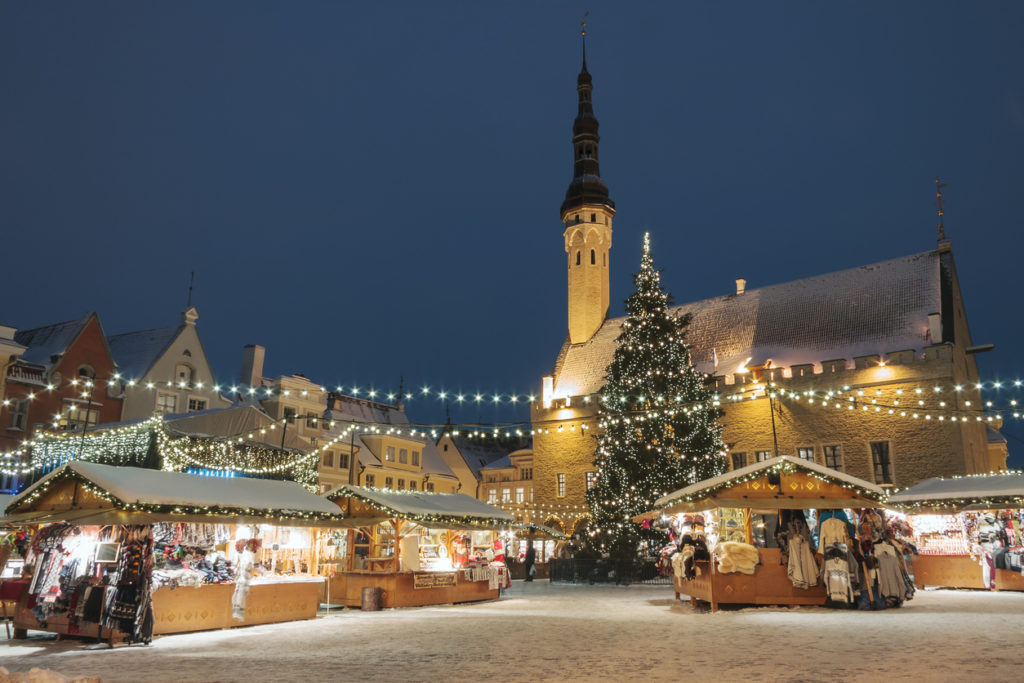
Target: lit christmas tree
x: 659, y: 425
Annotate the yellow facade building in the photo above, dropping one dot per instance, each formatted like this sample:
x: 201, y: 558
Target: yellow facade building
x: 869, y: 370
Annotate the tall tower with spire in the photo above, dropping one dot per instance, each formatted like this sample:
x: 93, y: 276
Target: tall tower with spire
x: 587, y: 217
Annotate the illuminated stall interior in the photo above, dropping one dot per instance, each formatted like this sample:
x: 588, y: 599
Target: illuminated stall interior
x: 224, y: 551
x: 397, y: 537
x: 967, y: 530
x: 733, y: 507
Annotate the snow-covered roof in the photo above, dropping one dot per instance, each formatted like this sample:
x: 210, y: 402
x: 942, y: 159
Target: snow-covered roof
x: 437, y: 509
x: 873, y: 309
x: 480, y: 455
x: 721, y: 491
x: 533, y: 531
x: 135, y: 486
x: 993, y: 435
x: 50, y: 340
x: 499, y: 464
x: 972, y: 491
x: 136, y: 352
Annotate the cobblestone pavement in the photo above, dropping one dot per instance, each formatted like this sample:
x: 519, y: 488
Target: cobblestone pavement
x: 542, y: 631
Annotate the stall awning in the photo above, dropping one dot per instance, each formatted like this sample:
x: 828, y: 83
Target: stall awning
x: 90, y: 493
x: 365, y: 506
x: 783, y: 483
x: 972, y: 492
x: 537, y: 532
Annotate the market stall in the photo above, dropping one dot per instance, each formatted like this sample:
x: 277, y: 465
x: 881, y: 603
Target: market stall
x: 729, y: 522
x: 967, y: 530
x: 545, y: 540
x: 127, y: 553
x: 416, y: 548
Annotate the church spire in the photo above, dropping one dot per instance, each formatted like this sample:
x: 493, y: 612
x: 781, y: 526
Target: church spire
x: 586, y: 188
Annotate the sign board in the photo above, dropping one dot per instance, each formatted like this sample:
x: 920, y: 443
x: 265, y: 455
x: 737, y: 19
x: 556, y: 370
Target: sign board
x: 433, y: 580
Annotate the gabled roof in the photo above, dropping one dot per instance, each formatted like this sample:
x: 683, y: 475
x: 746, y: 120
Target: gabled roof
x: 50, y: 340
x: 993, y: 435
x: 364, y: 505
x: 972, y: 492
x: 873, y: 309
x: 480, y: 455
x: 753, y: 487
x: 136, y: 352
x: 166, y: 494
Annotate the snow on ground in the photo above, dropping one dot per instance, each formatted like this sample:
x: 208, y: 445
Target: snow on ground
x: 540, y: 631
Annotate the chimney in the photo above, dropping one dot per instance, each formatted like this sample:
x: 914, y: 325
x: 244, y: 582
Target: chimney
x: 741, y: 285
x: 935, y: 328
x: 252, y: 364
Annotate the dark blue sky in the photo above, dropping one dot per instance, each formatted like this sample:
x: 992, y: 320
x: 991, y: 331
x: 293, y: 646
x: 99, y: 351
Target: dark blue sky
x: 372, y: 189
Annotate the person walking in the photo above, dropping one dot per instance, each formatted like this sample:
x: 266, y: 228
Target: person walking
x: 531, y: 557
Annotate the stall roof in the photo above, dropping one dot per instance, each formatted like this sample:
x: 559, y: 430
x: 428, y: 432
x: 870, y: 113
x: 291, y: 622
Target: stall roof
x: 972, y: 492
x: 161, y: 494
x: 366, y: 506
x: 747, y: 487
x: 534, y: 532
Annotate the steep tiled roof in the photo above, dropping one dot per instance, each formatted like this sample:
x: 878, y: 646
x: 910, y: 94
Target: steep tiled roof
x: 135, y: 352
x: 482, y: 455
x: 50, y: 340
x: 873, y: 309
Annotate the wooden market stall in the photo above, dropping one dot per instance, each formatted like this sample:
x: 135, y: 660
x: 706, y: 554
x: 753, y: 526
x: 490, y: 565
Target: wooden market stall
x: 947, y: 516
x: 416, y: 548
x: 545, y: 540
x: 96, y: 498
x: 782, y: 483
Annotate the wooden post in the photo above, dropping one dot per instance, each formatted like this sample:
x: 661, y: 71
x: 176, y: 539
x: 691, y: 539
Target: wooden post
x: 350, y: 549
x: 748, y: 526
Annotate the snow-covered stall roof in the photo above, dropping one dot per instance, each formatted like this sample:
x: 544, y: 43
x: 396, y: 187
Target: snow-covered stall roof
x: 802, y: 484
x: 972, y: 492
x: 177, y: 496
x: 873, y: 309
x: 533, y: 531
x: 366, y: 506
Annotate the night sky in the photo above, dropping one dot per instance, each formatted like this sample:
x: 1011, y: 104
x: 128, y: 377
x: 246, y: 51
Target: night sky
x: 371, y: 190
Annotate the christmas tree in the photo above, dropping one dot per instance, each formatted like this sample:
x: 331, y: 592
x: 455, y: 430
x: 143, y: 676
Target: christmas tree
x: 659, y: 424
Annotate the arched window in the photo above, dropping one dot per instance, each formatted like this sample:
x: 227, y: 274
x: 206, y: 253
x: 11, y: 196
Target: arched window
x: 593, y: 258
x: 86, y: 371
x: 577, y: 258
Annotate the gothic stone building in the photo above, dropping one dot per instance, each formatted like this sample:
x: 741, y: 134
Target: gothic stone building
x: 892, y: 337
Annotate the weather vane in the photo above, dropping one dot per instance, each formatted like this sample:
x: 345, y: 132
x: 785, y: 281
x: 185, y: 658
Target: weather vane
x: 940, y: 206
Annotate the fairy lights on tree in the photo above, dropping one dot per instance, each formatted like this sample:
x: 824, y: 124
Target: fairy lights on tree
x: 642, y: 456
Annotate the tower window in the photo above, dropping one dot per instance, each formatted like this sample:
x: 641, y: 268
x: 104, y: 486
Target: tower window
x: 593, y: 258
x: 593, y: 218
x: 577, y: 218
x: 577, y: 258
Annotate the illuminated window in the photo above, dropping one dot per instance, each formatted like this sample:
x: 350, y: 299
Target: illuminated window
x: 74, y: 415
x: 369, y: 480
x: 834, y: 457
x: 389, y: 454
x: 805, y: 454
x: 739, y: 460
x: 591, y: 480
x: 561, y: 484
x: 520, y: 495
x: 506, y: 495
x: 492, y: 496
x: 403, y: 456
x: 166, y: 403
x: 762, y: 455
x: 882, y: 462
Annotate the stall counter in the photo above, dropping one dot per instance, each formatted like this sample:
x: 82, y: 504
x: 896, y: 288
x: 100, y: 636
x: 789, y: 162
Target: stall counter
x: 400, y: 588
x: 960, y: 571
